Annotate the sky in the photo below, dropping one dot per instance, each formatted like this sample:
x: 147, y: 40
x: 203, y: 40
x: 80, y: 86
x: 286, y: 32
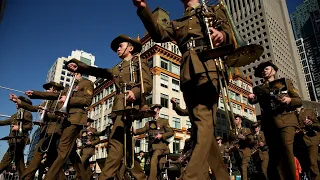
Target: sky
x: 34, y: 33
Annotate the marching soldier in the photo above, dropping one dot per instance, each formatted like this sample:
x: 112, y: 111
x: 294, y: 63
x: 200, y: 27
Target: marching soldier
x: 21, y: 124
x: 158, y: 131
x: 50, y: 128
x: 80, y: 98
x: 88, y: 146
x: 260, y: 149
x: 199, y: 77
x: 278, y: 123
x: 222, y: 147
x: 242, y: 138
x: 308, y: 143
x: 125, y: 47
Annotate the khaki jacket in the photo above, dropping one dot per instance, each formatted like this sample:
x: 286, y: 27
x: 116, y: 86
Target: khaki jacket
x: 284, y: 117
x: 181, y: 31
x: 26, y: 126
x: 50, y: 125
x: 90, y: 150
x: 163, y: 128
x: 310, y: 138
x: 121, y: 74
x: 262, y: 151
x: 81, y: 98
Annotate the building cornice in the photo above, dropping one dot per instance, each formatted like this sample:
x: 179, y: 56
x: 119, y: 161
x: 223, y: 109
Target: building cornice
x: 156, y: 49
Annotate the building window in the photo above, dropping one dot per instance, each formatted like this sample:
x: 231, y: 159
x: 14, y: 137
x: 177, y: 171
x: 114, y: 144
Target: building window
x: 164, y: 116
x: 176, y: 146
x: 164, y: 81
x: 149, y: 99
x: 244, y: 100
x: 98, y: 123
x: 62, y: 78
x: 150, y: 63
x: 105, y: 120
x: 188, y: 123
x: 138, y: 124
x: 164, y: 64
x: 164, y: 99
x: 175, y: 69
x: 68, y: 80
x: 175, y: 85
x: 176, y: 123
x: 232, y: 95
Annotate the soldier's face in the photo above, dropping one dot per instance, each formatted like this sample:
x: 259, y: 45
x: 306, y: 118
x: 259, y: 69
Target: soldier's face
x: 157, y: 110
x: 268, y: 72
x: 257, y: 129
x: 237, y: 121
x: 124, y: 49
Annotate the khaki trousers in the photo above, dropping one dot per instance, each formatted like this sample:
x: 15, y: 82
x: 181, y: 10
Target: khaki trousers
x: 201, y: 97
x: 67, y: 149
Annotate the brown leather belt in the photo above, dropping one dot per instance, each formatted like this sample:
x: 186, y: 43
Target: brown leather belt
x: 192, y: 43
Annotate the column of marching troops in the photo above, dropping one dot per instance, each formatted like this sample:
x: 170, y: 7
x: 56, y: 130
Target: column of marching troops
x: 205, y: 47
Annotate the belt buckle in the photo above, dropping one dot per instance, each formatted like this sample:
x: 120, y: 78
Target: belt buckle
x: 191, y: 44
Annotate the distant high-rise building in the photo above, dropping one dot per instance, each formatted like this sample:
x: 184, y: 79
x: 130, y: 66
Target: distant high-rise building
x: 58, y: 72
x: 300, y: 18
x: 306, y: 26
x: 267, y: 23
x: 34, y: 141
x: 306, y: 69
x: 3, y: 4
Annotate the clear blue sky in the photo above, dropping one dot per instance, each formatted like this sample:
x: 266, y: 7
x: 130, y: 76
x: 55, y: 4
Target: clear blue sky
x: 34, y: 33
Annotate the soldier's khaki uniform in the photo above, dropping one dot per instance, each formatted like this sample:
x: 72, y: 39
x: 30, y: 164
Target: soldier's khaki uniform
x: 51, y: 127
x: 261, y: 153
x: 159, y: 148
x: 16, y: 146
x: 279, y: 127
x: 199, y: 84
x: 244, y: 148
x: 308, y: 145
x: 88, y: 150
x: 120, y: 74
x: 222, y: 149
x: 80, y: 98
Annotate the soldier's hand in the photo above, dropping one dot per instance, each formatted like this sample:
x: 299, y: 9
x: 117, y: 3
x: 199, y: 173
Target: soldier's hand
x: 285, y: 99
x: 14, y: 98
x: 130, y: 96
x: 89, y: 142
x: 261, y: 143
x: 240, y: 136
x: 252, y: 96
x: 28, y: 93
x: 307, y: 122
x: 140, y: 3
x: 173, y: 100
x: 73, y: 67
x: 62, y: 99
x: 159, y: 136
x: 216, y: 36
x: 15, y: 128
